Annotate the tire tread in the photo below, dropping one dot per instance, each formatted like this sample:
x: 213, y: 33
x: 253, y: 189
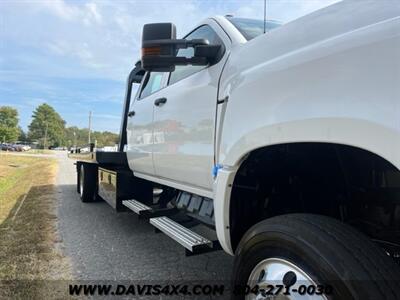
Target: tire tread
x: 341, y: 246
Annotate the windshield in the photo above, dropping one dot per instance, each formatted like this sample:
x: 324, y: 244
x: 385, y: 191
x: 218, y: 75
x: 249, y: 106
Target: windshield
x: 251, y: 28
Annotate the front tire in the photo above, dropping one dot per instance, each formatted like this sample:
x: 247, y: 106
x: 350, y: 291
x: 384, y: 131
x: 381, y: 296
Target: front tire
x: 87, y: 182
x: 315, y: 250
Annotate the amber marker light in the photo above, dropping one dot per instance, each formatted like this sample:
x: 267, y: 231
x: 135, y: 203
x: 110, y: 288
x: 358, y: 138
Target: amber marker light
x: 150, y: 51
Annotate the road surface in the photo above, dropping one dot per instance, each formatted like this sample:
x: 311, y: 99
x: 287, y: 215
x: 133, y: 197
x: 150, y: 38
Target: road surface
x: 105, y: 245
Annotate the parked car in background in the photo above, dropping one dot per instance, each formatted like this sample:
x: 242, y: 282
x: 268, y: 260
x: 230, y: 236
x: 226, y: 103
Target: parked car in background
x: 14, y: 147
x: 59, y: 148
x: 7, y: 147
x: 85, y: 150
x: 22, y: 146
x: 18, y: 148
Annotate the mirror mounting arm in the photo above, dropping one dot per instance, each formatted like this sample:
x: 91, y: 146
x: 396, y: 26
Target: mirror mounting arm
x: 178, y: 43
x: 160, y: 48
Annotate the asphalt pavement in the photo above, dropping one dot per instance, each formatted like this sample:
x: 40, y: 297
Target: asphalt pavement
x: 105, y: 245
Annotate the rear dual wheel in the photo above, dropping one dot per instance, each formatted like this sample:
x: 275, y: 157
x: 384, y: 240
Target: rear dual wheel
x: 87, y: 182
x: 312, y: 257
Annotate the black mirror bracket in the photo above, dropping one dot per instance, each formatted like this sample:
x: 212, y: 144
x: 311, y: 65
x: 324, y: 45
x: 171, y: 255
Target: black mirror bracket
x: 160, y: 47
x: 178, y: 43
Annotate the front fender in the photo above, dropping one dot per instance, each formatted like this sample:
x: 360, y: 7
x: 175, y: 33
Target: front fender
x: 366, y: 135
x: 375, y: 138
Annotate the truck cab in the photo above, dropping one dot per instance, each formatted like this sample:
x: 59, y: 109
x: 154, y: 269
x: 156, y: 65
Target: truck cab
x: 178, y: 111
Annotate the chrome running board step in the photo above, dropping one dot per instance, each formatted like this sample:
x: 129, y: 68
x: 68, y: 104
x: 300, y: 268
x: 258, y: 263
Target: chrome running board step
x: 189, y: 239
x: 136, y: 206
x: 147, y: 212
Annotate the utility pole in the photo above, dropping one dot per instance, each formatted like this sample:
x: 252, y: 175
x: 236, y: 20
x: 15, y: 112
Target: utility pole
x: 90, y: 124
x: 265, y: 16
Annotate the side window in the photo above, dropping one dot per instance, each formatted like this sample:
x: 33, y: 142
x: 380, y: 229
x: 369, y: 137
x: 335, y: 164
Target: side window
x: 152, y: 83
x: 203, y: 32
x: 135, y: 91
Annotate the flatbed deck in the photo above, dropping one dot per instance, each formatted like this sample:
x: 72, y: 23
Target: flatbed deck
x: 101, y: 158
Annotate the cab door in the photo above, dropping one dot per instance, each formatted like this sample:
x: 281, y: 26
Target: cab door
x: 140, y: 124
x: 184, y: 122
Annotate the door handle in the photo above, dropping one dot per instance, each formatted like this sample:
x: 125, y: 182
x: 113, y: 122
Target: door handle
x: 160, y: 101
x: 131, y: 113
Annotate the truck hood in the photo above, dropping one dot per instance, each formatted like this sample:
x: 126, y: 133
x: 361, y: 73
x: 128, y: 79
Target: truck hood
x: 323, y: 25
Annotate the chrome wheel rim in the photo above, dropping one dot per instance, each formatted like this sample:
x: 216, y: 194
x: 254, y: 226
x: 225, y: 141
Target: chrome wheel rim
x: 277, y: 271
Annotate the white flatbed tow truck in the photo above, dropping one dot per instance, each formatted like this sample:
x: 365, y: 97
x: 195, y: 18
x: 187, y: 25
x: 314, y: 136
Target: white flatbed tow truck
x: 285, y: 145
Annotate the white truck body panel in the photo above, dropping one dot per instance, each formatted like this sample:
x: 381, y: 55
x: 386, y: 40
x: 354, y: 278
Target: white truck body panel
x: 222, y: 195
x: 188, y: 121
x: 140, y: 135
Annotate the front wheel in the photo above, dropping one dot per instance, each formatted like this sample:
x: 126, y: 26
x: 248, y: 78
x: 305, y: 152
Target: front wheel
x: 312, y: 257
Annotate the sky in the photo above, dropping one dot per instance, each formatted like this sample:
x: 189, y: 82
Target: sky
x: 75, y: 55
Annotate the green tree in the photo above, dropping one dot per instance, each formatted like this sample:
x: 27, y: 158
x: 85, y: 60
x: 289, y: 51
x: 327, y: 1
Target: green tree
x: 47, y: 126
x: 105, y: 138
x: 22, y: 135
x: 80, y: 137
x: 76, y: 136
x: 9, y: 130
